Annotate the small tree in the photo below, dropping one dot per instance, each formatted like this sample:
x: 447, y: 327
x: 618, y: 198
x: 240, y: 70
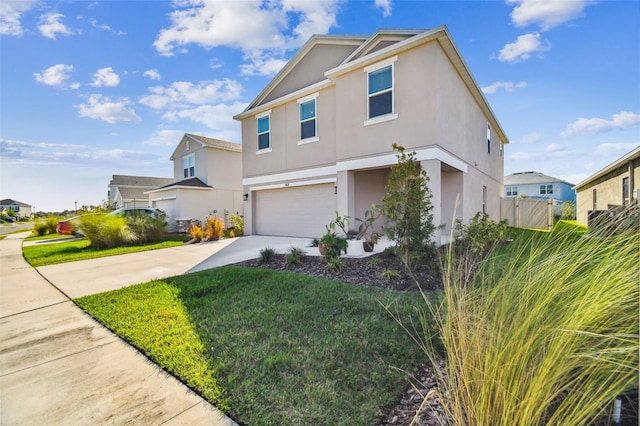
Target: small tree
x: 568, y: 211
x: 407, y: 206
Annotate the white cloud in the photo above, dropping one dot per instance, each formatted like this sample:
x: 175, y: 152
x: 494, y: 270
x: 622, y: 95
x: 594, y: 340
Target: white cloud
x: 522, y: 49
x: 55, y: 75
x: 165, y: 138
x: 10, y: 14
x: 50, y: 25
x: 554, y: 147
x: 546, y: 13
x: 385, y: 5
x: 531, y: 138
x: 614, y: 149
x: 103, y: 108
x: 261, y: 30
x: 507, y: 86
x: 105, y: 77
x: 218, y: 118
x: 262, y: 66
x: 153, y: 74
x: 622, y: 120
x: 181, y: 94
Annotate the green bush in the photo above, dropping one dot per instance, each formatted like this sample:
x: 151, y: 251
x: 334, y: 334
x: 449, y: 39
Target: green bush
x: 45, y: 227
x: 480, y: 236
x: 237, y: 223
x: 267, y: 254
x: 105, y: 231
x: 146, y: 228
x: 294, y: 256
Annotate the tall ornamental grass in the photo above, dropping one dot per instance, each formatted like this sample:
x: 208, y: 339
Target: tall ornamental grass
x: 105, y: 231
x: 545, y: 333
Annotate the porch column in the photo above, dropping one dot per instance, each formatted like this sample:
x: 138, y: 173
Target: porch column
x: 345, y: 202
x: 434, y: 172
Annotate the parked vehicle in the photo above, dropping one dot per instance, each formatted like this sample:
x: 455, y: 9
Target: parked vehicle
x: 128, y: 211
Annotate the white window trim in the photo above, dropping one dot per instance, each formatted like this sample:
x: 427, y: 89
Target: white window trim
x: 374, y: 67
x: 186, y: 157
x: 316, y: 138
x: 258, y: 116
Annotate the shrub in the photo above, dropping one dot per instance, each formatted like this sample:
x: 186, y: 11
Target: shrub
x: 332, y: 245
x: 294, y: 256
x: 237, y: 222
x: 106, y: 231
x: 215, y: 228
x: 46, y: 227
x: 335, y: 264
x: 568, y: 211
x: 147, y: 228
x: 480, y: 236
x: 547, y: 334
x: 195, y: 232
x: 267, y: 254
x: 407, y: 206
x: 390, y: 274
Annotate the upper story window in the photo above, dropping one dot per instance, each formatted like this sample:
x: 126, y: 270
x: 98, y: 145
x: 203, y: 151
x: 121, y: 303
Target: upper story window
x: 625, y: 191
x: 308, y: 118
x: 512, y: 191
x: 546, y: 189
x: 488, y: 138
x: 189, y: 166
x: 264, y: 131
x: 380, y: 97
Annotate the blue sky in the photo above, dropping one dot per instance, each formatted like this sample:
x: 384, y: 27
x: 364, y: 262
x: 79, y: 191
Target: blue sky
x: 89, y: 89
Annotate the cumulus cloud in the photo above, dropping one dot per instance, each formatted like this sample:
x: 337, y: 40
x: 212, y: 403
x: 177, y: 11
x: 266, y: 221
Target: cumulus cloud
x: 55, y: 75
x: 615, y: 149
x: 105, y: 77
x: 50, y: 25
x: 218, y: 118
x: 153, y: 74
x: 262, y: 66
x: 522, y: 49
x: 181, y: 94
x: 546, y: 13
x: 103, y: 108
x: 261, y: 30
x: 507, y: 86
x: 385, y: 5
x: 10, y: 14
x: 622, y: 120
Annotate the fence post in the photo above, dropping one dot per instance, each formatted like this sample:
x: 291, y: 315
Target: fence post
x: 549, y: 214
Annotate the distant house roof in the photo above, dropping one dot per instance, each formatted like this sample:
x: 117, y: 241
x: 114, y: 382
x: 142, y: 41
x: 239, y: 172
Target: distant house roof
x: 139, y: 181
x: 525, y: 178
x: 9, y: 202
x: 208, y: 142
x: 611, y: 167
x: 187, y: 183
x: 133, y: 193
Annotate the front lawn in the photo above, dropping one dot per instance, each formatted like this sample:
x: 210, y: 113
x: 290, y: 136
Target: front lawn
x: 71, y: 251
x: 272, y: 348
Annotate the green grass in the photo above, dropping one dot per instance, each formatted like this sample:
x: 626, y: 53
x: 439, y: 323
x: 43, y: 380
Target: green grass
x: 271, y: 348
x: 51, y: 254
x: 546, y: 332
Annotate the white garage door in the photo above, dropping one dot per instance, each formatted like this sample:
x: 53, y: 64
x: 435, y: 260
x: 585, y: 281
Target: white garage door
x: 300, y: 211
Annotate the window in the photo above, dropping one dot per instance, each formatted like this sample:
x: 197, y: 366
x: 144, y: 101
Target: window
x: 546, y: 189
x: 595, y: 199
x: 488, y: 139
x: 264, y: 134
x: 308, y: 128
x: 625, y: 191
x: 484, y: 199
x: 512, y: 191
x: 189, y: 166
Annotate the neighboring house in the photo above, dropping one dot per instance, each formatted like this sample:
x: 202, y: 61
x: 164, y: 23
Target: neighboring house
x: 616, y: 185
x: 541, y: 186
x: 207, y: 181
x: 19, y: 208
x: 318, y: 139
x: 129, y: 191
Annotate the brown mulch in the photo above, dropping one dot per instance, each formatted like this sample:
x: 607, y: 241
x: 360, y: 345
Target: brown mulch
x: 383, y: 271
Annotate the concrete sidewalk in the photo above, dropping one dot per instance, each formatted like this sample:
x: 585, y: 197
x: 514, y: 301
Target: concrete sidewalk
x: 59, y: 367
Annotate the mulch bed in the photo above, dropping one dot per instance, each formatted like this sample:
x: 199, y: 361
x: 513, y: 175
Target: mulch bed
x: 383, y: 271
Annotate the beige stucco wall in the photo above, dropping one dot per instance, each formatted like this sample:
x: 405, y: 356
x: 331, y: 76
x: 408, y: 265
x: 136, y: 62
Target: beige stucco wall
x: 224, y: 168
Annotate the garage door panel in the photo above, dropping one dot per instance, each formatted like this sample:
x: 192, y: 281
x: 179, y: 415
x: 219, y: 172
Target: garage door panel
x: 301, y: 211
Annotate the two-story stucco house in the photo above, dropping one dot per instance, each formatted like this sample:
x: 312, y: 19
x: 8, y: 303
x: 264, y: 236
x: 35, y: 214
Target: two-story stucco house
x: 207, y: 181
x: 616, y: 185
x: 21, y: 210
x: 130, y: 191
x: 318, y: 139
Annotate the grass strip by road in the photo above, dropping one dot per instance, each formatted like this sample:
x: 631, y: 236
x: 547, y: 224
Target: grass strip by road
x: 71, y: 251
x: 269, y: 347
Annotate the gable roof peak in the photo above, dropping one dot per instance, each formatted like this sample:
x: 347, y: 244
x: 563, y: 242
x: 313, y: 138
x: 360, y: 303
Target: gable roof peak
x: 206, y: 142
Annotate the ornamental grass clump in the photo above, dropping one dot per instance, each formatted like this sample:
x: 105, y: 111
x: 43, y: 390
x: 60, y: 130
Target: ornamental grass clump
x: 543, y: 333
x: 105, y: 231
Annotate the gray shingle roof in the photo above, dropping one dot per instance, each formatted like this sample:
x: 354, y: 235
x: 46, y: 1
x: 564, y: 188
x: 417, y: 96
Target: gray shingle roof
x: 216, y: 143
x: 524, y: 178
x: 193, y: 182
x: 9, y: 201
x: 140, y: 181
